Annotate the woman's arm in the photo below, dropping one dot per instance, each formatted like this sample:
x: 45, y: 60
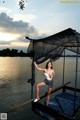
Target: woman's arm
x: 42, y: 69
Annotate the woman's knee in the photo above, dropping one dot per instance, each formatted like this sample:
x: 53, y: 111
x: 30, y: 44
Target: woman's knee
x: 37, y: 85
x: 40, y: 84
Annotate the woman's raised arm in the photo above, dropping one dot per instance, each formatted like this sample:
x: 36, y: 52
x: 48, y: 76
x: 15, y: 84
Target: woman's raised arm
x: 42, y: 69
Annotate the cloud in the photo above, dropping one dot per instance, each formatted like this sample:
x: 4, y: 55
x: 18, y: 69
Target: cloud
x: 7, y: 24
x: 4, y: 9
x: 15, y: 31
x: 4, y: 42
x: 18, y: 30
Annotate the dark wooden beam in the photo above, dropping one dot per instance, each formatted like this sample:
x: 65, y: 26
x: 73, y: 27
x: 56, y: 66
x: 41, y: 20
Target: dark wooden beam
x: 71, y: 88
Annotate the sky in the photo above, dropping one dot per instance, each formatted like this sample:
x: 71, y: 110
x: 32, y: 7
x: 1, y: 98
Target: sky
x: 40, y: 18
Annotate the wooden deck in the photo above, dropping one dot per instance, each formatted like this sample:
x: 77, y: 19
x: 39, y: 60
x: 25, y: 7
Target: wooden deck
x: 60, y: 107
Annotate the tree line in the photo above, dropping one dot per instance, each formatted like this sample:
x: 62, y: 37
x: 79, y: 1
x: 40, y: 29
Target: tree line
x: 13, y: 52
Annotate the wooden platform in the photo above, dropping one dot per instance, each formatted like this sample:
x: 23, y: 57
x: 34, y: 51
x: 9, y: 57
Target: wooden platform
x: 60, y: 107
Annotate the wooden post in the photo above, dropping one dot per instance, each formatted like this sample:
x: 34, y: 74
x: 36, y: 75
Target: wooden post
x: 76, y: 76
x: 63, y: 68
x: 33, y: 78
x: 33, y: 73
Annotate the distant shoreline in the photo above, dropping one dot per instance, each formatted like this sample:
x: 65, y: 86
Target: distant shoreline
x: 14, y: 53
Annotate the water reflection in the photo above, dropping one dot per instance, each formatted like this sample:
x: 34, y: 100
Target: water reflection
x: 15, y: 71
x: 13, y: 68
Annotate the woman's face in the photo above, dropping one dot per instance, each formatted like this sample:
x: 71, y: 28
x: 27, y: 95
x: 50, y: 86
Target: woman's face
x: 49, y: 65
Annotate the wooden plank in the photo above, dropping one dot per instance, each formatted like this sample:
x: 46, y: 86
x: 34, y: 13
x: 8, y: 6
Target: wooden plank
x: 71, y: 88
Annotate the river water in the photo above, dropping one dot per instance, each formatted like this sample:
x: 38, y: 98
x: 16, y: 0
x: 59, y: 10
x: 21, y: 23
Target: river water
x: 14, y: 89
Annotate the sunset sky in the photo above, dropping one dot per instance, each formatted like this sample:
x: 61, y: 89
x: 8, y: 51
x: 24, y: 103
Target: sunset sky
x: 40, y: 18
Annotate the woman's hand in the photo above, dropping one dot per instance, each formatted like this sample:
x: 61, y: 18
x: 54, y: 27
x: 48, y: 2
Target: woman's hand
x: 35, y: 64
x: 42, y: 69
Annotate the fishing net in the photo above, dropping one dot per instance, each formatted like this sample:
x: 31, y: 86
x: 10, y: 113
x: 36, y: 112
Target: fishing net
x: 53, y: 46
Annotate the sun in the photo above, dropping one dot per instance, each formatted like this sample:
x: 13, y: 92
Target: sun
x: 8, y: 36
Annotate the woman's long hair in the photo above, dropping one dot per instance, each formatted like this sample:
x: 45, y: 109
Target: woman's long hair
x: 48, y: 63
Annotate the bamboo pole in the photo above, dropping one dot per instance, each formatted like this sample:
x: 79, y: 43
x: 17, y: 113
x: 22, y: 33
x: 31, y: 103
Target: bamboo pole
x: 64, y: 66
x: 76, y: 74
x: 33, y: 74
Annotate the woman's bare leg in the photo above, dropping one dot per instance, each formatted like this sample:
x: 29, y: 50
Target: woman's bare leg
x: 48, y: 95
x: 38, y: 87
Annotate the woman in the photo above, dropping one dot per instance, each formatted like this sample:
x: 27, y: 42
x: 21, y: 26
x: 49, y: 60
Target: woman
x: 49, y: 75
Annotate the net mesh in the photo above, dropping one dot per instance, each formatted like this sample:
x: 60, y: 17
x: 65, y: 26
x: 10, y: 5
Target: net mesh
x: 53, y: 46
